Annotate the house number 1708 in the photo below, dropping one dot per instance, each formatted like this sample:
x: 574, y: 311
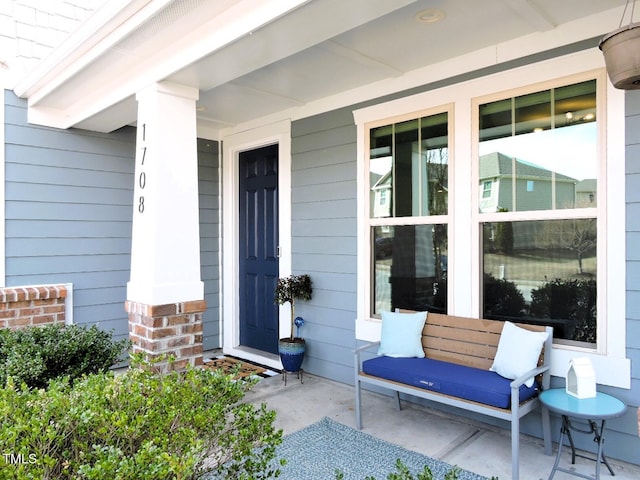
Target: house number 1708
x: 142, y: 177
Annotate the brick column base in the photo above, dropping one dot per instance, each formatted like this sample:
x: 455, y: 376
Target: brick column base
x: 163, y: 330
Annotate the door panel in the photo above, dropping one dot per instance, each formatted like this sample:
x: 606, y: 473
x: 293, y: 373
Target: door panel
x: 258, y: 262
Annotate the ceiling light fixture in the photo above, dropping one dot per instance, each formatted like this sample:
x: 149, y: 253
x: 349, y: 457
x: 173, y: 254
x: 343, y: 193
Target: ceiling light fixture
x: 430, y: 15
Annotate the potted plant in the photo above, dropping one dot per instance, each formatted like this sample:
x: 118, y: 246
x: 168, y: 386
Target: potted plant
x: 292, y: 348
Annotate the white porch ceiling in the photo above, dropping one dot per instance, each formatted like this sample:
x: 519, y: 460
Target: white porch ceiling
x: 254, y: 58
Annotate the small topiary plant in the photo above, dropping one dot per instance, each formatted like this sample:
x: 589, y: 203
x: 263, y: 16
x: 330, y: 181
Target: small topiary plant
x: 136, y: 425
x: 36, y: 355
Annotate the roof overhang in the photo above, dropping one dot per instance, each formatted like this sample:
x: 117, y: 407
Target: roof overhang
x: 252, y: 59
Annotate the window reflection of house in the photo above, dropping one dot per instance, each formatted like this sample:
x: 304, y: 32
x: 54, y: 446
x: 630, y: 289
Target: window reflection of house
x: 434, y: 188
x: 586, y: 193
x: 381, y: 190
x: 515, y: 185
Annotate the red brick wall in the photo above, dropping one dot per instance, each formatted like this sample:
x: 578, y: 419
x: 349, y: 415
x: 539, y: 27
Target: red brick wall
x: 37, y: 305
x: 172, y: 329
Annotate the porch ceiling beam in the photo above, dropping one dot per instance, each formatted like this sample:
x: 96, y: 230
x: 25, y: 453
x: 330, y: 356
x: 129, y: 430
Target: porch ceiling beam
x: 266, y: 92
x: 359, y: 58
x: 532, y: 14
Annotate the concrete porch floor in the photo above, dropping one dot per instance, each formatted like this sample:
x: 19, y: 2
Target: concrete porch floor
x: 475, y: 446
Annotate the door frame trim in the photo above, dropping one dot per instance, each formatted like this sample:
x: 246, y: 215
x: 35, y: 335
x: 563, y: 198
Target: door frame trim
x: 232, y: 145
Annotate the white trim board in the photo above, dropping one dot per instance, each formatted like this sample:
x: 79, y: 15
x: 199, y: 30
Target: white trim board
x: 279, y: 133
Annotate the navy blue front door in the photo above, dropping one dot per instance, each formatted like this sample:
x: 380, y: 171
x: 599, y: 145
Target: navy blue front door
x: 258, y: 219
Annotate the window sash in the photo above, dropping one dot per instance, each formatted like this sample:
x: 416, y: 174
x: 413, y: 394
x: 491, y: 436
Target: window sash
x: 427, y: 125
x: 588, y: 211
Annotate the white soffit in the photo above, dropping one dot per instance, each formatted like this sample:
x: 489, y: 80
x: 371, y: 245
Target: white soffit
x: 253, y: 58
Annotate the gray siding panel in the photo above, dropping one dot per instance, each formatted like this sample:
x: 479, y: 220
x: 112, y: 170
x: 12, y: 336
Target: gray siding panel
x: 328, y: 209
x: 632, y: 181
x: 59, y: 246
x: 68, y: 213
x: 47, y: 228
x: 323, y: 214
x: 630, y: 444
x: 208, y: 187
x: 633, y: 308
x: 323, y: 227
x: 317, y: 193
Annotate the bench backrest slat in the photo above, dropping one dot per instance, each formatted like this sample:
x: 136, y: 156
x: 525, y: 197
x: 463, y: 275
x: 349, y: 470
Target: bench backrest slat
x: 465, y: 341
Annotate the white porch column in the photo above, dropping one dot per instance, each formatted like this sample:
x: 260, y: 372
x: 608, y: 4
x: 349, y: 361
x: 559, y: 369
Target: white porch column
x: 165, y: 296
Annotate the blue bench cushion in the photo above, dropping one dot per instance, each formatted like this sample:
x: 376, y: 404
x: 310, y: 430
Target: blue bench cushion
x: 459, y: 381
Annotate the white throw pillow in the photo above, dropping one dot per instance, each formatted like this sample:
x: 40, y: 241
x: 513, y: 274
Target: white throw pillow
x: 518, y: 352
x: 401, y: 334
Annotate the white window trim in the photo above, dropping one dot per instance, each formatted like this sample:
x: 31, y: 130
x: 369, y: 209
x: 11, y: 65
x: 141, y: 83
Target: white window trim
x: 409, y: 220
x: 610, y: 362
x: 233, y: 144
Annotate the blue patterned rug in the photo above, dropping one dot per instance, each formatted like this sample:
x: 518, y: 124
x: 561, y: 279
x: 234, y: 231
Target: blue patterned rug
x: 318, y: 451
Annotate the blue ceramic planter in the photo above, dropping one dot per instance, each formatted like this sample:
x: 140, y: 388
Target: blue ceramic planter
x: 291, y: 353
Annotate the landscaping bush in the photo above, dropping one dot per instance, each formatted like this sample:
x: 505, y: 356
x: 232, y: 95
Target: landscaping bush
x: 403, y: 473
x: 35, y: 355
x: 502, y: 298
x: 571, y: 300
x: 138, y: 425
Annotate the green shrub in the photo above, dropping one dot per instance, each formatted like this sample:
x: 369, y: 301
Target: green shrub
x: 138, y: 425
x: 35, y: 355
x: 571, y: 300
x: 403, y: 473
x: 502, y: 298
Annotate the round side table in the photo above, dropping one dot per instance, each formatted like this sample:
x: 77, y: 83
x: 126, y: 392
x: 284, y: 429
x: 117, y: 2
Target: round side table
x: 596, y: 409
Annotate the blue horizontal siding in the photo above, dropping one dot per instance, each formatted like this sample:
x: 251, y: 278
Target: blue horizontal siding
x: 52, y: 211
x: 323, y: 211
x: 627, y: 442
x: 68, y: 213
x: 31, y: 247
x: 71, y: 193
x: 208, y: 186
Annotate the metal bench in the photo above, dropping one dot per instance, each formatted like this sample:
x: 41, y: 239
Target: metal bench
x: 472, y: 342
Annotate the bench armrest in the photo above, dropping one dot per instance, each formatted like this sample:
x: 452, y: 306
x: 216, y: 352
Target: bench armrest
x: 357, y: 361
x: 366, y: 346
x: 518, y: 382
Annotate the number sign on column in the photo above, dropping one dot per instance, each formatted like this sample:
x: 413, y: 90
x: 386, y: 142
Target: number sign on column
x: 142, y: 176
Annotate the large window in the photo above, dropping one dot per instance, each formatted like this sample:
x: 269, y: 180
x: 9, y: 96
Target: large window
x: 519, y: 214
x: 408, y: 206
x: 539, y: 230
